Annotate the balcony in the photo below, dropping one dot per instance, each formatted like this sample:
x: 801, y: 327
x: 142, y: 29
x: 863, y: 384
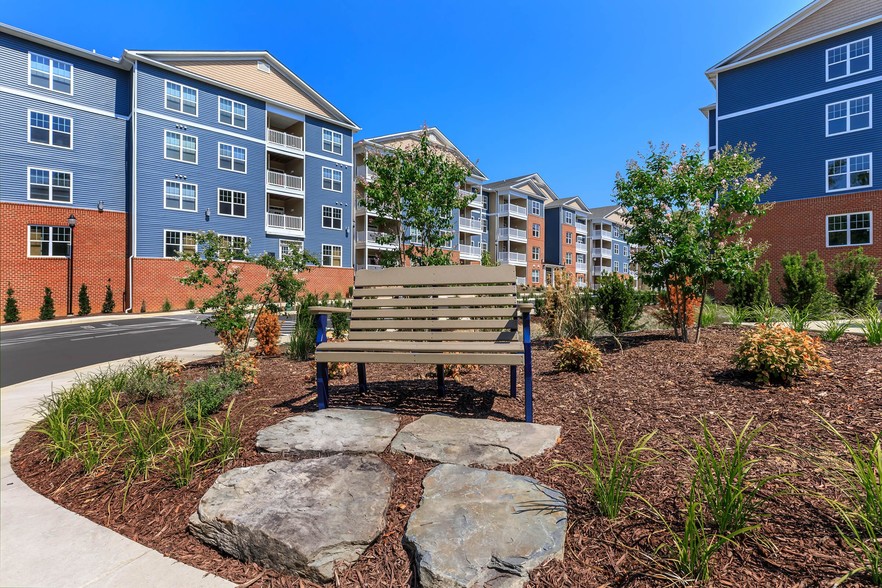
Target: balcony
x: 601, y: 252
x: 469, y: 251
x: 370, y: 266
x: 513, y: 210
x: 521, y: 281
x: 476, y: 202
x: 581, y: 268
x: 601, y: 270
x: 581, y: 227
x: 511, y: 258
x: 509, y: 234
x: 284, y: 224
x: 282, y: 181
x: 601, y: 234
x: 362, y: 171
x: 471, y: 225
x: 283, y: 140
x: 581, y: 247
x: 370, y: 238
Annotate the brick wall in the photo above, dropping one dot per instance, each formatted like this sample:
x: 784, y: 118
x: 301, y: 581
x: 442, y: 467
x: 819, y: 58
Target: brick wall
x: 535, y: 242
x: 99, y: 241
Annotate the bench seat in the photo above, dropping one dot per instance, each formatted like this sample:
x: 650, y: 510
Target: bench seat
x: 413, y: 352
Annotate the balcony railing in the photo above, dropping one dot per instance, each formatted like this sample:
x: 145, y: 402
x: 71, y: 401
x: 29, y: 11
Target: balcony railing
x: 283, y: 139
x: 363, y: 172
x: 602, y: 252
x: 513, y: 210
x: 582, y: 228
x: 512, y: 258
x: 469, y: 251
x: 477, y: 200
x: 370, y: 266
x: 581, y: 247
x: 471, y: 225
x: 284, y: 222
x: 283, y: 180
x: 370, y: 237
x: 601, y: 270
x: 507, y: 233
x: 601, y: 234
x: 521, y: 281
x: 581, y: 268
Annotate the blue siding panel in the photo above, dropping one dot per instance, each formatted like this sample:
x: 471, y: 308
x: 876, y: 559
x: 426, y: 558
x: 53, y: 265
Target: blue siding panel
x: 711, y: 128
x: 553, y: 236
x: 313, y: 139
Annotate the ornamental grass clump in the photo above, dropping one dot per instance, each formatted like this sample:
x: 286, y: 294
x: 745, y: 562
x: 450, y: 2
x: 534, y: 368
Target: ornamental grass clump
x: 779, y: 354
x: 577, y: 355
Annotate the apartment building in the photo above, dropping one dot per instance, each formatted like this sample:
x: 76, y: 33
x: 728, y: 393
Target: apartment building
x: 610, y: 253
x: 566, y: 237
x: 807, y: 94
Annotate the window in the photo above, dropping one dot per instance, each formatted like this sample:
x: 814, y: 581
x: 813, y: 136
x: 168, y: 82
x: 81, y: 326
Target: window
x: 181, y: 98
x: 569, y: 258
x: 49, y: 185
x: 332, y: 217
x: 231, y: 157
x: 849, y: 59
x: 230, y: 112
x: 568, y: 217
x: 615, y: 248
x: 289, y: 247
x: 535, y: 208
x: 569, y: 238
x: 626, y: 250
x: 536, y: 230
x: 332, y: 141
x: 332, y: 179
x: 180, y: 196
x: 48, y: 241
x: 51, y: 74
x: 179, y: 242
x: 536, y: 253
x: 238, y: 245
x: 615, y: 231
x: 231, y: 203
x: 180, y: 147
x: 332, y: 255
x: 850, y: 115
x: 616, y: 266
x: 535, y: 276
x: 849, y: 229
x: 49, y: 130
x: 849, y: 172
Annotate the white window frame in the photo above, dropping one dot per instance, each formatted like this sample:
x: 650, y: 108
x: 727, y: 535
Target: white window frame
x: 233, y: 194
x: 51, y: 185
x: 569, y: 217
x: 181, y: 136
x: 847, y: 59
x: 848, y: 186
x: 535, y: 277
x: 331, y: 255
x: 848, y: 115
x: 616, y: 267
x: 535, y: 208
x: 568, y: 238
x: 568, y: 258
x: 331, y: 209
x: 296, y: 245
x: 181, y: 183
x: 536, y: 253
x: 181, y: 244
x: 536, y: 230
x: 182, y: 86
x: 848, y: 242
x: 232, y: 158
x: 615, y: 231
x: 233, y: 104
x: 615, y: 248
x: 52, y: 118
x: 333, y: 171
x: 334, y: 134
x: 52, y: 63
x: 51, y: 241
x: 229, y: 240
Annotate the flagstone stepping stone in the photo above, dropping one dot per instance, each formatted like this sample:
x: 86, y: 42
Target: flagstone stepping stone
x: 333, y: 429
x: 473, y: 441
x: 478, y: 527
x: 297, y: 516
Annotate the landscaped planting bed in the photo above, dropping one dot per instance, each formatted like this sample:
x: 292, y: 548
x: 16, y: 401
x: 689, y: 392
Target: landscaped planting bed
x: 655, y: 384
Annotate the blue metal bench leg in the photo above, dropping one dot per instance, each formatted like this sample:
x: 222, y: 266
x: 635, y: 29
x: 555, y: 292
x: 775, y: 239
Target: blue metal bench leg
x: 528, y: 370
x: 439, y: 370
x: 513, y: 381
x: 321, y: 384
x: 362, y: 378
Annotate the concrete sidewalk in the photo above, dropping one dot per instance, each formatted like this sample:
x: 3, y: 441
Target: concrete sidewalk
x: 42, y: 544
x: 92, y: 318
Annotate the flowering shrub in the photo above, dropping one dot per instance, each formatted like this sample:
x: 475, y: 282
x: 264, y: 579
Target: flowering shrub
x: 779, y: 354
x: 577, y: 355
x: 267, y: 330
x: 243, y: 364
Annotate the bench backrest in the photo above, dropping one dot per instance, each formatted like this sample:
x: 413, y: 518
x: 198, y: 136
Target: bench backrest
x: 437, y: 303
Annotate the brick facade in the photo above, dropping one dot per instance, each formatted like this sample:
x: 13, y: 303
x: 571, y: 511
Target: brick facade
x: 99, y: 248
x: 535, y: 242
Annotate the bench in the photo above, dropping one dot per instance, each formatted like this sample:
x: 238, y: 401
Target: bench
x: 466, y: 315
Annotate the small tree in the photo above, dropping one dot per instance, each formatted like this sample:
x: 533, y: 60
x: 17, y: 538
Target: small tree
x: 487, y: 259
x: 618, y: 305
x: 109, y: 303
x: 689, y: 218
x: 47, y: 310
x: 10, y: 311
x: 804, y: 283
x: 85, y: 307
x: 166, y: 305
x: 416, y: 190
x: 855, y: 277
x: 750, y: 288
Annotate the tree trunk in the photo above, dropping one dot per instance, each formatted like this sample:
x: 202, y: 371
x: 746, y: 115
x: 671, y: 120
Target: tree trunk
x: 700, y: 311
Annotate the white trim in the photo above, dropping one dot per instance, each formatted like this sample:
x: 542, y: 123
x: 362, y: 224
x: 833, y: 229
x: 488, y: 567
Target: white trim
x: 332, y: 170
x: 182, y: 86
x: 52, y: 61
x: 232, y: 203
x: 244, y: 245
x: 847, y: 117
x: 51, y: 191
x: 847, y: 59
x: 322, y: 260
x: 798, y: 99
x: 847, y: 159
x: 181, y: 182
x: 195, y: 125
x: 181, y: 245
x: 181, y: 139
x: 233, y: 158
x: 51, y: 130
x: 289, y: 241
x: 331, y: 150
x: 847, y: 216
x: 56, y: 101
x: 232, y: 122
x: 28, y: 242
x: 325, y: 157
x: 324, y: 206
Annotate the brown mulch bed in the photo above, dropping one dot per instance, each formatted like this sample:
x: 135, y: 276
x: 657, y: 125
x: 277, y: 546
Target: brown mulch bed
x: 655, y: 384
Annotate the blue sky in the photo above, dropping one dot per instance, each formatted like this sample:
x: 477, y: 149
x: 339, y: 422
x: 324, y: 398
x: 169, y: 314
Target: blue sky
x: 568, y: 89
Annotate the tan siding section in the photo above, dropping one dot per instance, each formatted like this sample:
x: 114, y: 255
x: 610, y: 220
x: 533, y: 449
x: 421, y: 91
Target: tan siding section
x: 245, y: 75
x: 409, y: 143
x: 837, y: 14
x: 528, y: 189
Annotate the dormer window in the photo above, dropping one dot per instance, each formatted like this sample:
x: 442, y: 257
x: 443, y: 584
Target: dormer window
x: 849, y: 59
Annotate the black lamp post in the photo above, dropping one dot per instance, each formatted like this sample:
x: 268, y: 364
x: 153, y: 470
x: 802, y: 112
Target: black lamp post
x: 71, y: 222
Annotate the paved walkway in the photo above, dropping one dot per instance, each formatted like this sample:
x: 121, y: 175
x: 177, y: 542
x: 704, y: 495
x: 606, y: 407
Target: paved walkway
x: 42, y: 544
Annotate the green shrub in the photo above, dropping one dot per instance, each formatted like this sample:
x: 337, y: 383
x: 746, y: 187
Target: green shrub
x: 855, y: 276
x: 47, y: 310
x: 736, y: 315
x: 765, y: 313
x: 750, y: 288
x: 712, y: 314
x: 143, y: 306
x: 834, y: 328
x: 617, y: 304
x: 85, y: 307
x: 109, y: 303
x: 204, y: 396
x: 191, y: 304
x: 871, y: 325
x: 203, y: 442
x: 10, y: 310
x: 805, y: 283
x: 577, y: 355
x: 779, y: 354
x: 302, y: 342
x: 143, y: 380
x: 339, y: 320
x: 166, y: 305
x: 797, y: 319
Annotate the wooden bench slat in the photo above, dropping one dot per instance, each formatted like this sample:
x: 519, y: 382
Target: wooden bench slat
x: 434, y: 313
x: 421, y: 358
x: 438, y: 275
x: 422, y: 346
x: 434, y: 324
x: 476, y: 302
x: 433, y: 336
x: 478, y: 290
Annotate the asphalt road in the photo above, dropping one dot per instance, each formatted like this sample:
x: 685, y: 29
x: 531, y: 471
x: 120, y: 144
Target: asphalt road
x: 32, y: 353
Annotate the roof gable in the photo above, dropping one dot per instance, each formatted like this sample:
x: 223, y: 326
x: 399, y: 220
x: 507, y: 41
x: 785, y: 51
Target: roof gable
x: 436, y: 137
x: 531, y: 184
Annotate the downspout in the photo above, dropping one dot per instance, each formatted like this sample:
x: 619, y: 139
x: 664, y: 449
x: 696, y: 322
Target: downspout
x: 133, y: 213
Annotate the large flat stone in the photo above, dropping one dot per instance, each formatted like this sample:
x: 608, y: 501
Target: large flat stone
x: 477, y: 527
x: 297, y: 517
x: 473, y: 441
x: 333, y: 429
